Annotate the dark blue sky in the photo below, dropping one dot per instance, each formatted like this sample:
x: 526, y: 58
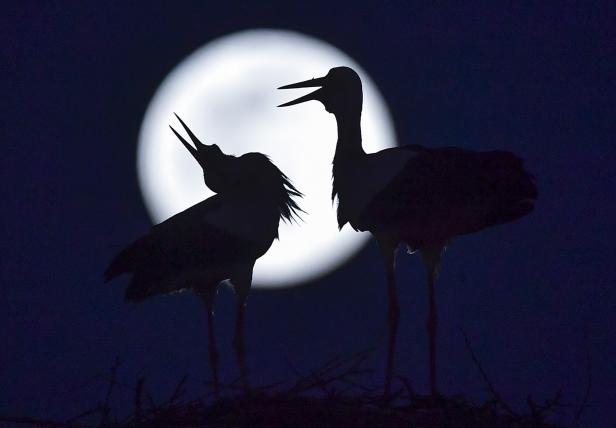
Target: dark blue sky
x: 536, y: 79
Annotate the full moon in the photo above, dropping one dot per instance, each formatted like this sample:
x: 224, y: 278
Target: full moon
x: 226, y: 92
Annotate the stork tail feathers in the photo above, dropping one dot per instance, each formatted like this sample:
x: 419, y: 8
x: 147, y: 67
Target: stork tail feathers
x: 126, y: 261
x: 132, y: 259
x: 514, y: 188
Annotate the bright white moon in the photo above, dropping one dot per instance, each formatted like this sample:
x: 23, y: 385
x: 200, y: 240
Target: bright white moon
x: 226, y: 92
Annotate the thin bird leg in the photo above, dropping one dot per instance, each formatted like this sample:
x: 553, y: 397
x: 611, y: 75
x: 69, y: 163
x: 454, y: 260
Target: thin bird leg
x: 238, y: 342
x: 208, y: 301
x: 431, y: 258
x: 431, y: 326
x: 388, y: 254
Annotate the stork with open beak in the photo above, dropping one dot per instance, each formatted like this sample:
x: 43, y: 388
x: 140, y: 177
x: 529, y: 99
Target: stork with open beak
x: 413, y: 195
x: 215, y: 240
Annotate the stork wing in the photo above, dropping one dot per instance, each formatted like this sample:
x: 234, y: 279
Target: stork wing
x: 187, y: 245
x: 459, y: 191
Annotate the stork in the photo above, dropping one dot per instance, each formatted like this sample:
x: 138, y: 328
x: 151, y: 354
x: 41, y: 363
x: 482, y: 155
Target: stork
x: 215, y: 240
x: 413, y: 195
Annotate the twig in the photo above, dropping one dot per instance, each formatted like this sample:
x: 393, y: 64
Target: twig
x: 497, y: 397
x: 407, y: 385
x: 81, y: 415
x: 359, y: 386
x: 292, y: 367
x: 105, y: 407
x: 539, y: 412
x: 323, y: 377
x: 107, y: 379
x: 178, y: 391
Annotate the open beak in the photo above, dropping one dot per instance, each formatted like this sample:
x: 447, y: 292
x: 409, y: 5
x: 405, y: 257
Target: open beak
x: 316, y: 95
x: 198, y: 144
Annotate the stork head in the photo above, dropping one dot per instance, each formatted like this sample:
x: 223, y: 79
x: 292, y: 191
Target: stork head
x: 203, y: 153
x: 339, y: 91
x: 251, y: 176
x: 209, y: 156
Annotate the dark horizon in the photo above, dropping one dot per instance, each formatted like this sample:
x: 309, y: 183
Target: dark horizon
x: 533, y: 79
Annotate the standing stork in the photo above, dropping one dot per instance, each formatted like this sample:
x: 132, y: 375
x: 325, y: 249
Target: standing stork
x: 215, y: 240
x: 414, y: 195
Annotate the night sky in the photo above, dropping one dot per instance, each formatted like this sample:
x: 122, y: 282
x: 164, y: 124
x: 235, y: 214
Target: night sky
x: 536, y: 79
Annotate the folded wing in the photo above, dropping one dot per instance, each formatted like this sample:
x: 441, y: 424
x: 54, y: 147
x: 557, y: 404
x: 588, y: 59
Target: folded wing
x: 183, y: 251
x: 451, y: 191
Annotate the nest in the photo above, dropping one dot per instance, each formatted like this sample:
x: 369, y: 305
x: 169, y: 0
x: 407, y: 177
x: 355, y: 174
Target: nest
x: 331, y: 396
x: 285, y: 410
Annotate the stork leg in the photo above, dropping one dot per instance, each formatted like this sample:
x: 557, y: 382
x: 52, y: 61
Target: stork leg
x: 388, y: 254
x: 431, y: 327
x: 241, y: 281
x: 431, y: 258
x: 207, y: 297
x: 238, y: 342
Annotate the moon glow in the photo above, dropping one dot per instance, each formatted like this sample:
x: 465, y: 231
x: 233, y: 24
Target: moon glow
x: 226, y: 92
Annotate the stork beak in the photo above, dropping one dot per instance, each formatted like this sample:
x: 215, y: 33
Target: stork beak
x: 316, y: 95
x: 198, y: 144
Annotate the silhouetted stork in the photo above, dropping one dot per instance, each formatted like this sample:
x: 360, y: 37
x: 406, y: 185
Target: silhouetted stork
x: 414, y: 195
x: 217, y: 239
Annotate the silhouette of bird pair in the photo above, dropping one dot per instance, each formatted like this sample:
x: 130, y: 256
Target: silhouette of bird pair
x: 215, y: 240
x: 410, y: 195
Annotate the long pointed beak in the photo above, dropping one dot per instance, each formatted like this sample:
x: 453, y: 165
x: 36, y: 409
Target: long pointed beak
x: 198, y: 144
x: 190, y: 148
x: 311, y: 83
x: 192, y: 136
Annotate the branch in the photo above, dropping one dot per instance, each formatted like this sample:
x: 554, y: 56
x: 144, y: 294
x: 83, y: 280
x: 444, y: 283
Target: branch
x: 178, y: 392
x: 538, y: 411
x: 323, y: 377
x: 497, y: 397
x: 97, y: 409
x: 105, y: 407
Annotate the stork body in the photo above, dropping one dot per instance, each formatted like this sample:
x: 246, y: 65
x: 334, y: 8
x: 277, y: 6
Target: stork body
x: 215, y: 240
x: 414, y: 195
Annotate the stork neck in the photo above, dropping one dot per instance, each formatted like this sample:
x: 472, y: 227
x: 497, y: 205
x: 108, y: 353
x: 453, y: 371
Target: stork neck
x: 349, y: 135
